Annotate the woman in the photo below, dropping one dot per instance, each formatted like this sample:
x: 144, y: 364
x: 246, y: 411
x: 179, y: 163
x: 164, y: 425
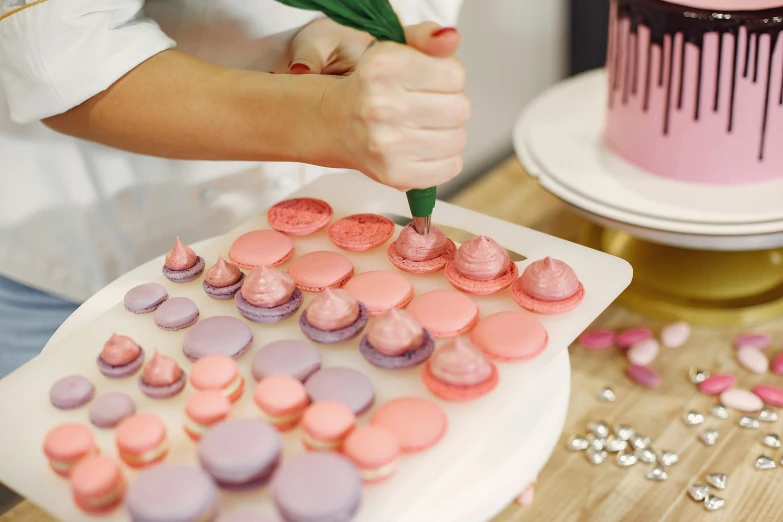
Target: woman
x: 114, y: 141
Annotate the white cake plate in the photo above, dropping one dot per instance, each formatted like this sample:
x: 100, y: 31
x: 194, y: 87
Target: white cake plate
x: 562, y: 130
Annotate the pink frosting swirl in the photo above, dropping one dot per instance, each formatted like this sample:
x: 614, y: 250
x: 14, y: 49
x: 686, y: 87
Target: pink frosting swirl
x: 481, y: 259
x: 549, y: 280
x: 222, y: 274
x: 180, y: 257
x: 412, y: 245
x: 119, y: 350
x: 333, y: 309
x: 395, y: 332
x: 267, y: 287
x: 460, y: 363
x: 161, y: 371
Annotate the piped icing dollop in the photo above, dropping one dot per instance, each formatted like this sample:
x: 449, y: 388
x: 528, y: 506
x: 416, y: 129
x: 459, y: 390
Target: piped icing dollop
x: 119, y: 350
x: 333, y: 309
x: 395, y: 332
x: 180, y: 257
x: 161, y: 371
x: 460, y: 363
x: 416, y: 247
x: 223, y: 274
x: 267, y: 287
x: 549, y: 279
x: 481, y: 259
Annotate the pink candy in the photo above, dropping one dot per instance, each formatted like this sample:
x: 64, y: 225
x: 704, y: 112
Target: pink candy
x: 741, y: 400
x: 777, y: 364
x: 753, y: 340
x: 597, y: 340
x: 643, y: 353
x: 643, y: 376
x: 771, y: 395
x: 752, y: 359
x: 634, y: 335
x: 675, y: 334
x: 526, y: 497
x: 717, y: 384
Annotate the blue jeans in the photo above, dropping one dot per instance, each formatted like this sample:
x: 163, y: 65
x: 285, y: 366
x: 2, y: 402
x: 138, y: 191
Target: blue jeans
x: 28, y: 318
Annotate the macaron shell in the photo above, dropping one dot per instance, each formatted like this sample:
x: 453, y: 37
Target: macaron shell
x: 109, y: 409
x: 449, y: 392
x: 360, y: 232
x: 335, y: 336
x: 172, y: 493
x: 298, y: 359
x: 417, y: 423
x: 176, y: 313
x: 401, y: 362
x: 380, y: 290
x: 163, y: 392
x: 421, y: 267
x: 94, y: 478
x: 68, y: 441
x: 261, y: 247
x: 300, y: 216
x: 510, y: 336
x: 328, y: 421
x: 120, y: 372
x: 546, y: 307
x: 316, y: 271
x: 444, y: 313
x: 471, y: 286
x: 213, y: 372
x: 71, y: 392
x: 371, y: 447
x: 187, y: 275
x: 225, y: 293
x: 217, y: 335
x: 208, y: 407
x: 344, y: 385
x: 145, y: 298
x: 259, y: 314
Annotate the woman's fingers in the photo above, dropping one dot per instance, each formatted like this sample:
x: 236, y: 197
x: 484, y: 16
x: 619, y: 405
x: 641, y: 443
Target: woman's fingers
x: 432, y: 39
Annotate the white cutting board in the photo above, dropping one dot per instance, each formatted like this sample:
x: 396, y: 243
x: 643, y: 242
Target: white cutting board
x: 27, y: 414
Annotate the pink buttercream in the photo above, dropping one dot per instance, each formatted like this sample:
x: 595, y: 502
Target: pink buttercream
x: 267, y: 287
x: 549, y: 280
x: 460, y: 363
x: 223, y: 274
x: 119, y: 350
x: 416, y: 247
x: 333, y: 309
x: 481, y: 259
x: 395, y: 332
x: 161, y: 371
x: 180, y: 257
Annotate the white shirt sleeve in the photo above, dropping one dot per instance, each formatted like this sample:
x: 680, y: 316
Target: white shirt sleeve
x: 443, y: 12
x: 56, y: 54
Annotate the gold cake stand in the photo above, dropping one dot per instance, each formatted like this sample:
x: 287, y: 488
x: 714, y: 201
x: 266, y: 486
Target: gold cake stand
x: 710, y: 288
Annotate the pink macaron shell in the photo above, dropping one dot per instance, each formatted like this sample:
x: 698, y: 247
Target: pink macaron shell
x: 205, y: 409
x: 281, y: 396
x: 455, y: 393
x: 417, y: 423
x: 97, y: 484
x: 373, y: 448
x: 380, y: 290
x: 316, y: 271
x: 474, y: 287
x: 361, y: 232
x: 327, y: 422
x: 510, y: 336
x: 140, y: 435
x: 261, y: 247
x: 421, y: 267
x: 299, y: 216
x: 216, y: 372
x: 444, y: 313
x: 538, y: 306
x: 67, y: 444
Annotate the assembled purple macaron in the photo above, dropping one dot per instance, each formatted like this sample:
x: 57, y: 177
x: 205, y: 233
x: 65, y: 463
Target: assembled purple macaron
x: 342, y: 384
x: 182, y: 264
x: 176, y: 313
x: 297, y: 359
x: 172, y: 493
x: 71, y: 392
x: 145, y: 298
x: 107, y: 410
x: 268, y: 295
x: 221, y: 335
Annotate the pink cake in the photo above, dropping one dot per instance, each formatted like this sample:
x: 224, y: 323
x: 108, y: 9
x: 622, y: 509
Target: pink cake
x: 709, y: 110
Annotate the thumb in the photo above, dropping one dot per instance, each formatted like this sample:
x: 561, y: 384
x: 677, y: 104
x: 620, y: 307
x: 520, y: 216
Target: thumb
x: 307, y: 58
x: 432, y: 39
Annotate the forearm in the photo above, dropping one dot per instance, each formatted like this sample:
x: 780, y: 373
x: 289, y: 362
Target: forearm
x: 176, y: 106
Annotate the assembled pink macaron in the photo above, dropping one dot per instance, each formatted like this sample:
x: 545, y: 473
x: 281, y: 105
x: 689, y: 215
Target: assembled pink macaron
x: 162, y: 377
x: 97, y: 485
x: 417, y: 423
x: 67, y: 444
x: 223, y: 280
x: 458, y: 371
x: 361, y: 232
x: 334, y: 316
x: 141, y: 440
x: 510, y: 336
x: 268, y: 295
x: 261, y: 247
x: 203, y: 410
x: 548, y: 286
x: 380, y: 290
x: 374, y: 450
x: 282, y: 400
x: 120, y: 357
x: 326, y: 424
x: 182, y: 264
x: 317, y: 271
x: 418, y: 254
x: 220, y: 373
x: 481, y: 267
x: 299, y: 216
x: 444, y: 313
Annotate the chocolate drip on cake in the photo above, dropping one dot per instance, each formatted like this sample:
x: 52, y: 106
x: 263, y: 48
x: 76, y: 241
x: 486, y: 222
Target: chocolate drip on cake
x: 669, y: 24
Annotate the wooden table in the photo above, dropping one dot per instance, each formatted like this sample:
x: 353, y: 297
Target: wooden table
x: 569, y: 488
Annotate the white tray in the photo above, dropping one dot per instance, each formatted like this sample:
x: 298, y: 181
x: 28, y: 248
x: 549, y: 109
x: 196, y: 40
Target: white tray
x: 473, y: 428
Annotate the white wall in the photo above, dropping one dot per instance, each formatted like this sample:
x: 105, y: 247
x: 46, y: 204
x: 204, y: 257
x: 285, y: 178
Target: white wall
x: 512, y: 50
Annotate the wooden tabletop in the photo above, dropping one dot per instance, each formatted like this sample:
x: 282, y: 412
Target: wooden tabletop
x: 573, y: 490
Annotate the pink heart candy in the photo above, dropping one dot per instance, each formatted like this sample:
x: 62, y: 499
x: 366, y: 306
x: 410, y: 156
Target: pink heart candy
x: 777, y: 364
x: 716, y: 384
x: 632, y: 336
x: 752, y: 359
x: 643, y: 353
x: 741, y: 400
x: 597, y: 339
x: 753, y: 340
x: 643, y: 376
x: 771, y: 395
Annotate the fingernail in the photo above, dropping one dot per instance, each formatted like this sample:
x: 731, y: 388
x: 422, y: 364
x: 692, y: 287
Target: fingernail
x: 299, y: 68
x: 443, y: 30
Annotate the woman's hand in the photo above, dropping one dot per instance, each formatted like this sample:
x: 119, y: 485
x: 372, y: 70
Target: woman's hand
x: 402, y: 114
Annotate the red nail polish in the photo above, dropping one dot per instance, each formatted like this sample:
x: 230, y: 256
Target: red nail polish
x: 299, y: 68
x: 443, y: 30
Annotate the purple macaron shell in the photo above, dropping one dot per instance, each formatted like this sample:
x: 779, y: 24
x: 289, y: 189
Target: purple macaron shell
x: 71, y: 392
x: 317, y: 487
x: 221, y: 335
x: 109, y: 409
x: 224, y: 293
x: 400, y: 362
x: 246, y: 516
x: 120, y: 372
x: 176, y: 313
x: 297, y: 359
x: 240, y: 453
x: 145, y: 298
x: 259, y: 314
x: 163, y: 392
x: 342, y: 384
x: 187, y: 275
x: 172, y: 493
x: 334, y: 336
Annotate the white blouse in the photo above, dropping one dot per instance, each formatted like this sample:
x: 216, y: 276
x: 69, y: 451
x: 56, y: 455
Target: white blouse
x: 75, y: 215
